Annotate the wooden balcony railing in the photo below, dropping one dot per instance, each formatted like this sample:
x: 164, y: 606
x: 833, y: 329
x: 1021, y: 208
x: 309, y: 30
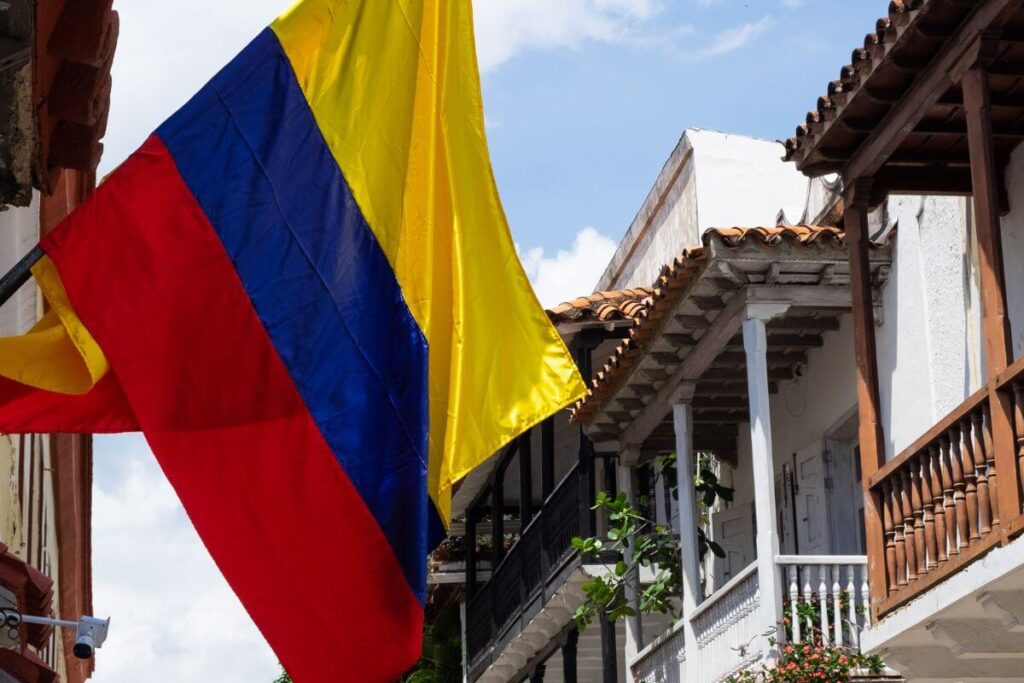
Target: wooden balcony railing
x: 940, y: 500
x: 544, y: 546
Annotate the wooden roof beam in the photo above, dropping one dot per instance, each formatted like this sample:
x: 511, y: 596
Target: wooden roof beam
x: 926, y: 90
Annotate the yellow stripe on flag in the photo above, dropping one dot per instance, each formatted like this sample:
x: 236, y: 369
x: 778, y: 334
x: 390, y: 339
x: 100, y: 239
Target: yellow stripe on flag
x: 58, y: 354
x: 395, y: 90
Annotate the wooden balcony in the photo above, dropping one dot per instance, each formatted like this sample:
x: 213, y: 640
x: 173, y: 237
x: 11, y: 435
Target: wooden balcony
x: 953, y: 495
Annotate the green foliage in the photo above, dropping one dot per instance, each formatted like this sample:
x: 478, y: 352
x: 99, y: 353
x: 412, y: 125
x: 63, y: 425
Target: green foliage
x: 283, y: 678
x: 654, y: 546
x: 441, y: 659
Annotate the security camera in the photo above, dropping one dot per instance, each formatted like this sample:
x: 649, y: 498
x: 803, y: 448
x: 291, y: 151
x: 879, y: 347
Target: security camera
x: 92, y: 632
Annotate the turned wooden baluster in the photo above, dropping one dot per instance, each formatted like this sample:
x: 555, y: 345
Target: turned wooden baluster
x: 897, y: 524
x: 981, y: 474
x: 908, y: 523
x: 917, y: 507
x: 948, y: 504
x: 959, y: 486
x: 1018, y: 421
x: 928, y: 503
x: 889, y: 532
x: 990, y: 464
x: 934, y: 455
x: 970, y: 480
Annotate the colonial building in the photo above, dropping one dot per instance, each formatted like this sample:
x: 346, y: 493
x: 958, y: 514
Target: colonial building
x: 851, y: 369
x: 55, y: 58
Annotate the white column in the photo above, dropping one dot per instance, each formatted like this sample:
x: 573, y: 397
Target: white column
x: 756, y: 345
x: 634, y: 633
x: 682, y: 418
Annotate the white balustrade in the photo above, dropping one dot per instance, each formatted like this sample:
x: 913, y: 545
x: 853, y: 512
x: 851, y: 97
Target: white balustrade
x: 728, y: 627
x: 662, y: 661
x: 833, y: 586
x: 826, y: 600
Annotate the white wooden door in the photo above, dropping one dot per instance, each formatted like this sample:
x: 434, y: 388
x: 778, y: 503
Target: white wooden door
x: 734, y: 531
x: 813, y: 528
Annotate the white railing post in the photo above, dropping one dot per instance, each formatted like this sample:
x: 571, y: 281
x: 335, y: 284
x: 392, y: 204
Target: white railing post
x: 794, y: 601
x: 851, y: 596
x: 756, y: 346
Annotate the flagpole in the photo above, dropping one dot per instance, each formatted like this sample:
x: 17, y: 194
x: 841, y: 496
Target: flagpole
x: 13, y: 279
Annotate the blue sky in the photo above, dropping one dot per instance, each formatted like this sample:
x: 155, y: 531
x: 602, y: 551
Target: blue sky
x: 585, y: 99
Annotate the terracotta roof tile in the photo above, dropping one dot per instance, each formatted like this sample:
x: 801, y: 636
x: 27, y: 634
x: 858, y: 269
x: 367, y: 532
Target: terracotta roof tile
x: 852, y: 76
x: 620, y: 304
x: 665, y: 292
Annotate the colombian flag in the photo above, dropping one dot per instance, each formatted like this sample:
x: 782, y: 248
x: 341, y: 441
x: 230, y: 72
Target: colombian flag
x: 303, y: 290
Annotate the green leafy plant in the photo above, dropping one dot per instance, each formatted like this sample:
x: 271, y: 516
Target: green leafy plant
x: 283, y: 678
x: 441, y: 659
x: 654, y: 546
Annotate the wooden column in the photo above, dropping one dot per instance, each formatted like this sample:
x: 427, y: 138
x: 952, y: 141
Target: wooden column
x: 525, y: 480
x: 497, y: 518
x: 872, y: 444
x: 995, y: 323
x: 471, y: 582
x: 609, y: 653
x: 634, y: 631
x: 755, y: 344
x: 538, y: 674
x: 547, y: 457
x: 572, y: 639
x: 682, y: 418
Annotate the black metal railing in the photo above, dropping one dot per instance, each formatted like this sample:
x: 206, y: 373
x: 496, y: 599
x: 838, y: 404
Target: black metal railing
x: 543, y: 548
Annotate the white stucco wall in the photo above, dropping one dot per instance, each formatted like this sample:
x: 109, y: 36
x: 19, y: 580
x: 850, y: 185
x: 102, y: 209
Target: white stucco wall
x: 928, y: 340
x: 1013, y: 250
x: 711, y: 179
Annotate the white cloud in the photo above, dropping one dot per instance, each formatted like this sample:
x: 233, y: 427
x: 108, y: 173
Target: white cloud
x: 173, y: 617
x: 734, y: 38
x: 504, y: 28
x: 792, y: 3
x: 569, y: 274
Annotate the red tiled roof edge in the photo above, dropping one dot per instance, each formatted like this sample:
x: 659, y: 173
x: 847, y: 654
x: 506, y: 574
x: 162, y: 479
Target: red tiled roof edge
x: 607, y: 306
x: 674, y: 277
x: 853, y: 75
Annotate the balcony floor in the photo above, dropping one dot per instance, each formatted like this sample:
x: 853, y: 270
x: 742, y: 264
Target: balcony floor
x: 969, y: 628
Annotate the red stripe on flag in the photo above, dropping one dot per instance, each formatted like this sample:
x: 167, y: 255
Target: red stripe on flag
x: 148, y: 277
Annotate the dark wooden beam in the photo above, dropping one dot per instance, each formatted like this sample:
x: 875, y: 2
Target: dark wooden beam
x: 774, y: 358
x: 470, y: 542
x: 547, y: 457
x: 925, y: 91
x: 803, y: 323
x: 872, y: 444
x: 609, y: 652
x: 995, y: 322
x: 572, y: 639
x: 525, y: 479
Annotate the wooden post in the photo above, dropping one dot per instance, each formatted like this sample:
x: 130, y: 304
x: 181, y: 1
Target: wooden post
x: 634, y: 631
x: 995, y: 323
x: 755, y: 344
x: 471, y: 582
x: 547, y: 457
x: 538, y: 674
x: 872, y: 445
x: 609, y: 653
x: 572, y: 639
x: 497, y: 518
x: 525, y: 480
